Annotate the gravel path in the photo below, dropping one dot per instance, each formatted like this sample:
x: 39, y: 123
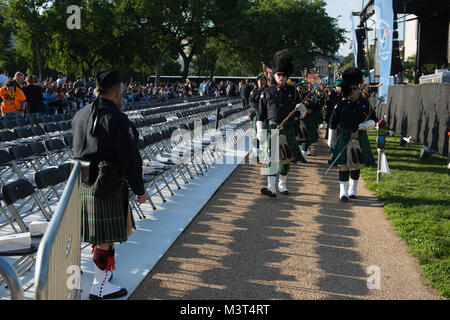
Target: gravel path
x: 307, y: 245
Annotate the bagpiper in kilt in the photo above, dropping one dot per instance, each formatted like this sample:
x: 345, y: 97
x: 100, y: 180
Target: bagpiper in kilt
x: 104, y: 220
x: 255, y: 96
x: 334, y: 97
x: 288, y: 130
x: 353, y: 117
x: 311, y: 119
x: 276, y: 104
x: 104, y: 137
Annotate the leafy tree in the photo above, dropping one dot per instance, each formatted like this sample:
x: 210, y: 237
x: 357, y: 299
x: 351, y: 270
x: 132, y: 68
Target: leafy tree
x: 266, y: 26
x: 348, y: 61
x: 408, y: 67
x: 153, y: 26
x: 32, y: 28
x: 170, y: 67
x: 148, y: 36
x: 84, y: 51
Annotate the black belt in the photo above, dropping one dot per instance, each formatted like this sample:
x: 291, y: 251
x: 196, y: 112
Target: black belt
x: 90, y: 171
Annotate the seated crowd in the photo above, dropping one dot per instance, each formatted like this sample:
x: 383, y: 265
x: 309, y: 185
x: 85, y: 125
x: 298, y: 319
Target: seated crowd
x: 22, y: 94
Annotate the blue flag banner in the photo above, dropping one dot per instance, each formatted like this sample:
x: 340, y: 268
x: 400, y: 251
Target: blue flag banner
x: 384, y: 16
x: 355, y: 42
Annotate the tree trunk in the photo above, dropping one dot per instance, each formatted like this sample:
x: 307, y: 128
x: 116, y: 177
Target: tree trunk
x: 186, y: 61
x: 37, y: 49
x: 212, y: 67
x: 185, y: 73
x: 158, y: 70
x: 88, y: 74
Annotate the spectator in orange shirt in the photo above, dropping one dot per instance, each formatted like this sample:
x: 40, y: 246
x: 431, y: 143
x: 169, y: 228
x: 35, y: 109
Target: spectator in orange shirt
x: 14, y: 99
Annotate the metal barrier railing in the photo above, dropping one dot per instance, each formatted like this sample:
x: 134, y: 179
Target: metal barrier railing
x: 57, y: 275
x: 9, y: 275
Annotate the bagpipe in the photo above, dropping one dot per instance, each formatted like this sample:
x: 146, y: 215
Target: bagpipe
x: 266, y: 72
x: 363, y: 87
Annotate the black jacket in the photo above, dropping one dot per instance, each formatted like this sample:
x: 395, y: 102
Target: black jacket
x: 254, y: 98
x: 34, y: 98
x: 332, y: 101
x: 246, y: 91
x: 278, y: 103
x: 348, y: 115
x: 114, y: 140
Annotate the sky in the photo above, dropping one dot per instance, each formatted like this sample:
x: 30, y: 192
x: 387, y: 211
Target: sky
x: 344, y: 8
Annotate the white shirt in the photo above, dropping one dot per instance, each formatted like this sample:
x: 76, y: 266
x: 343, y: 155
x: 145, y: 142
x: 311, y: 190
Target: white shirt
x: 3, y: 80
x: 61, y: 81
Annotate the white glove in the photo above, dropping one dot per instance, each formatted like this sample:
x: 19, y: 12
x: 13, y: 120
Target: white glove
x: 332, y: 138
x: 370, y: 124
x: 301, y: 108
x: 259, y: 131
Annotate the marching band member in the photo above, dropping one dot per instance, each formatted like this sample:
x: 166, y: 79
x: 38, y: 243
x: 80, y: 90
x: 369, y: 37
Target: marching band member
x: 311, y: 119
x: 255, y: 96
x: 353, y: 116
x: 334, y: 97
x: 276, y: 103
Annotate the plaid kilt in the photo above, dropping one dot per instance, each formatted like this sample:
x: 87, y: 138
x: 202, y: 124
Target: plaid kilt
x: 104, y: 220
x: 254, y: 140
x: 311, y: 127
x: 365, y: 149
x: 288, y: 131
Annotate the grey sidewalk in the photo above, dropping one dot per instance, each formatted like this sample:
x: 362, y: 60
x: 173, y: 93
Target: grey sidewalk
x: 307, y: 245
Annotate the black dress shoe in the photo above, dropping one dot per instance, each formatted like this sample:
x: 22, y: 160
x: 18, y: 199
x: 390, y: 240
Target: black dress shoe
x: 269, y: 193
x: 353, y: 197
x: 122, y: 292
x: 344, y: 198
x: 285, y: 193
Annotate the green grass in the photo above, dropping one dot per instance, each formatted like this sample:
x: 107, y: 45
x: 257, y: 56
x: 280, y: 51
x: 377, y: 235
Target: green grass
x: 416, y: 198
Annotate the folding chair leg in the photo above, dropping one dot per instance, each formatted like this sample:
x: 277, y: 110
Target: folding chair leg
x: 165, y: 182
x: 15, y: 215
x: 199, y: 167
x: 55, y: 192
x: 44, y: 211
x: 174, y: 179
x: 187, y: 169
x: 24, y: 264
x: 180, y: 174
x: 137, y: 208
x: 5, y: 214
x: 44, y: 197
x: 150, y: 200
x: 159, y: 191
